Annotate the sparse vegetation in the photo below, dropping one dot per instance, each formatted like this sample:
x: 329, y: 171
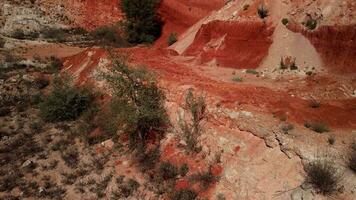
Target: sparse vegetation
x: 286, y: 127
x: 65, y: 101
x: 193, y: 129
x: 317, y: 127
x: 251, y: 71
x: 331, y: 140
x: 184, y: 194
x: 237, y: 79
x: 18, y: 34
x: 108, y: 35
x: 205, y: 178
x: 2, y: 42
x: 246, y: 6
x: 314, y: 103
x: 54, y: 65
x: 285, y: 21
x: 352, y: 158
x: 142, y: 24
x: 324, y: 176
x: 262, y: 11
x: 172, y: 38
x: 311, y: 23
x: 168, y: 171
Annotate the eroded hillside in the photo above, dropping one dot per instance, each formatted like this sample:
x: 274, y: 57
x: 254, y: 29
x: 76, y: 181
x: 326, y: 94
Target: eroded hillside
x: 278, y: 80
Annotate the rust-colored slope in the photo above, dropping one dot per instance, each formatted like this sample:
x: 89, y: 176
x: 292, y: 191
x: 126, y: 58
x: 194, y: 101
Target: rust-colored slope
x: 232, y: 44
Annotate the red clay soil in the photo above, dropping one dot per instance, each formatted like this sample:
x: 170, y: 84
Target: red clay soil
x: 336, y: 113
x: 179, y: 15
x: 232, y: 44
x: 90, y: 14
x: 335, y: 44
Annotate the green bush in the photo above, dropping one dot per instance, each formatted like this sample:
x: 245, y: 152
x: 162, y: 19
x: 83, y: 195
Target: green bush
x: 142, y: 24
x: 184, y: 194
x: 324, y: 176
x: 285, y: 21
x: 65, y: 102
x: 54, y: 65
x: 172, y: 38
x: 184, y: 169
x: 108, y: 35
x: 237, y: 79
x: 262, y: 12
x: 311, y: 24
x: 168, y: 171
x: 317, y: 127
x: 252, y: 71
x: 138, y: 104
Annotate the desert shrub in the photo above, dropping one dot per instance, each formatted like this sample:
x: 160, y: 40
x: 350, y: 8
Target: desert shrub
x: 309, y: 73
x: 184, y: 194
x: 168, y: 171
x: 2, y: 42
x: 192, y: 129
x: 237, y: 79
x: 311, y: 23
x: 18, y: 34
x: 172, y: 38
x: 352, y: 158
x: 147, y: 159
x: 220, y: 197
x: 41, y: 82
x: 65, y: 102
x: 70, y: 157
x: 205, y: 178
x: 138, y: 104
x: 331, y: 140
x: 128, y: 188
x: 54, y: 65
x: 286, y: 127
x: 324, y: 176
x: 246, y: 6
x: 108, y: 35
x: 252, y: 71
x: 317, y: 127
x: 184, y: 169
x: 314, y: 103
x: 285, y: 21
x: 262, y: 12
x: 142, y: 23
x: 56, y: 34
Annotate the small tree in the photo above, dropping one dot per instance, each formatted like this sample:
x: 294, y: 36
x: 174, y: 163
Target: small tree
x: 142, y: 24
x: 193, y: 129
x: 138, y: 104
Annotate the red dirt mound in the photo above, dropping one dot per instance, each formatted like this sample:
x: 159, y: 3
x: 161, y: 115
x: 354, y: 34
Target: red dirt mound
x: 335, y: 44
x: 232, y: 44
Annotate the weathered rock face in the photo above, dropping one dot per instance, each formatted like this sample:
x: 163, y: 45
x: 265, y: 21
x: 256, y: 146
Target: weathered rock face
x: 336, y: 46
x: 232, y: 44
